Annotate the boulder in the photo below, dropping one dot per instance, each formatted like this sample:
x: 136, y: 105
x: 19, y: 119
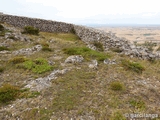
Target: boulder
x: 74, y: 59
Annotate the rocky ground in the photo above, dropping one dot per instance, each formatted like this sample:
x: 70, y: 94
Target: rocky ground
x: 61, y: 79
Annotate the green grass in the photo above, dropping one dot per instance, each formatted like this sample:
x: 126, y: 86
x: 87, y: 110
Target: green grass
x: 116, y: 86
x: 67, y: 36
x: 9, y: 93
x: 30, y: 30
x: 117, y: 116
x: 86, y: 53
x: 2, y: 48
x: 133, y: 66
x: 98, y: 45
x: 39, y: 65
x: 138, y: 104
x: 73, y: 85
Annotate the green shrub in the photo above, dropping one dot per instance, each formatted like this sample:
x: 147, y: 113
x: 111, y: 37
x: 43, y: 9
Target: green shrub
x: 44, y: 44
x: 98, y: 45
x: 3, y: 48
x: 37, y: 66
x: 118, y: 50
x: 8, y: 93
x: 86, y: 52
x: 134, y: 66
x: 1, y: 69
x: 116, y: 86
x: 1, y: 28
x: 44, y: 48
x: 30, y: 30
x: 17, y: 60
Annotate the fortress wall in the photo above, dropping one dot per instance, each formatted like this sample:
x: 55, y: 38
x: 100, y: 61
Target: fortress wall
x: 42, y: 25
x: 87, y: 34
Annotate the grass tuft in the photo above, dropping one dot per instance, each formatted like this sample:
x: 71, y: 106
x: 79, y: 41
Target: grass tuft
x: 17, y: 60
x: 98, y: 45
x: 8, y: 93
x: 86, y: 52
x: 134, y: 66
x: 30, y: 30
x: 2, y: 48
x: 116, y: 86
x: 39, y: 65
x: 1, y: 28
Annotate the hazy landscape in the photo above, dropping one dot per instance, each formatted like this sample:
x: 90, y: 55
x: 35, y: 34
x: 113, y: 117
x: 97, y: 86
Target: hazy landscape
x: 138, y: 34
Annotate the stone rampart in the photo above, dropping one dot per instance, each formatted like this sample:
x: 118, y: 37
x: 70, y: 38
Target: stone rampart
x: 87, y: 34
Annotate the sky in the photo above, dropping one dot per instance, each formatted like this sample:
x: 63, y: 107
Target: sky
x: 87, y: 11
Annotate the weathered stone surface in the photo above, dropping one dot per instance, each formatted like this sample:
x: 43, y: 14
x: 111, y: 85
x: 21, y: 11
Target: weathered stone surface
x: 93, y: 65
x: 108, y: 61
x: 74, y: 59
x: 42, y: 83
x: 28, y: 51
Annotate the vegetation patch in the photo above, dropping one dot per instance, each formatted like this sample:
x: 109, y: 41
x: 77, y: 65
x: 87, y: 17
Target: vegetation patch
x: 98, y: 45
x: 138, y: 104
x: 39, y: 65
x: 2, y: 48
x: 44, y: 48
x: 1, y: 28
x: 117, y: 50
x: 134, y: 66
x: 86, y: 52
x: 17, y: 60
x: 66, y: 101
x: 116, y: 86
x: 30, y: 30
x: 117, y: 116
x: 1, y: 69
x: 8, y: 93
x: 67, y: 36
x: 73, y: 84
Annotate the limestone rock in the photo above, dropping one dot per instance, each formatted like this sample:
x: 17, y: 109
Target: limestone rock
x: 93, y: 65
x: 74, y: 59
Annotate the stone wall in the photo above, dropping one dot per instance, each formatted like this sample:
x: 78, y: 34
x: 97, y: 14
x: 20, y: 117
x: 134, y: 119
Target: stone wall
x: 87, y: 34
x: 110, y: 41
x: 43, y: 25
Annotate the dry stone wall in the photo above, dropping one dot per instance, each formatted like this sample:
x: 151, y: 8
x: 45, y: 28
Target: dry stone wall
x: 87, y: 34
x: 43, y: 25
x: 110, y: 41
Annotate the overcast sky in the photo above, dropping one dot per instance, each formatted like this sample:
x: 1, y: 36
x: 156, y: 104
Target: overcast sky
x: 87, y: 11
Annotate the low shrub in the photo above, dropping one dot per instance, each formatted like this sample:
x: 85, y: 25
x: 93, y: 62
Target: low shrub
x: 1, y: 28
x: 1, y: 69
x: 44, y: 48
x: 2, y: 48
x: 98, y: 45
x: 8, y: 93
x: 30, y: 30
x: 134, y: 66
x: 17, y: 60
x: 116, y: 86
x: 37, y: 66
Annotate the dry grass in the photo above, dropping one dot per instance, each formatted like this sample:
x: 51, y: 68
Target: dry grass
x: 83, y: 92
